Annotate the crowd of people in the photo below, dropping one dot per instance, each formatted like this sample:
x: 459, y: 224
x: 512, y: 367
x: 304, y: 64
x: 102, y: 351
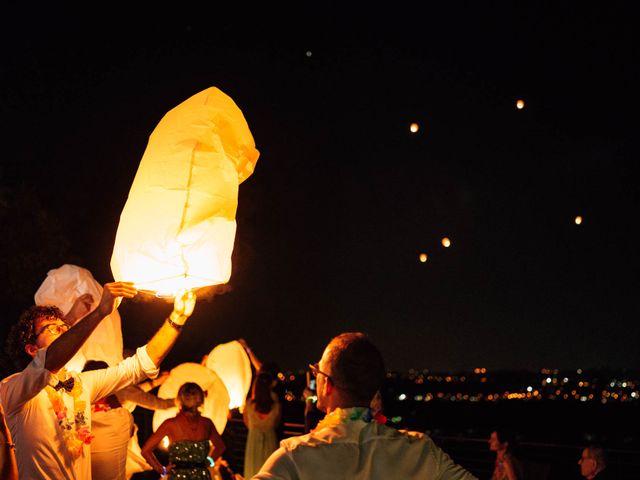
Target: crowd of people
x: 56, y: 423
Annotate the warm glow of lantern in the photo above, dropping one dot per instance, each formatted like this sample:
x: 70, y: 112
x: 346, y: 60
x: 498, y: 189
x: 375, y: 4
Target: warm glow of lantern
x: 414, y: 127
x: 423, y: 257
x: 520, y: 104
x: 164, y: 444
x: 232, y: 365
x: 178, y: 226
x: 216, y: 400
x: 578, y: 220
x: 446, y: 243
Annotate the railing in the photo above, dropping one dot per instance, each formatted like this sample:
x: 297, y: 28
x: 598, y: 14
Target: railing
x: 542, y: 461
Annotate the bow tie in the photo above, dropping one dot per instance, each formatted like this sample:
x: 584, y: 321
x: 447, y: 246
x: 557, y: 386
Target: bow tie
x: 66, y: 384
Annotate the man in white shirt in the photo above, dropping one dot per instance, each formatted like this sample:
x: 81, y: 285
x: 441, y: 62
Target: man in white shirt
x: 48, y: 409
x: 352, y: 442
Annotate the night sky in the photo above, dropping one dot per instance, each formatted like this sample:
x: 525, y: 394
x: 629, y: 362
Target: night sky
x: 344, y: 197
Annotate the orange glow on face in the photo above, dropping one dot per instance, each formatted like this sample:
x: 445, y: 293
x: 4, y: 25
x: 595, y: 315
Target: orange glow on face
x: 520, y: 104
x: 446, y: 243
x: 414, y: 127
x: 423, y: 257
x: 578, y: 220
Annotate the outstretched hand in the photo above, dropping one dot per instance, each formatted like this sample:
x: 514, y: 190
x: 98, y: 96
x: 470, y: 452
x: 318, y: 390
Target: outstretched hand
x: 79, y: 309
x: 111, y: 292
x: 183, y: 307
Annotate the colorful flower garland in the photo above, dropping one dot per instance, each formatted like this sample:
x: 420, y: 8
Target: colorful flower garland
x: 344, y: 415
x: 75, y: 430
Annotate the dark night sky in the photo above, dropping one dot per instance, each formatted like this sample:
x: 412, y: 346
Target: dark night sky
x: 344, y: 198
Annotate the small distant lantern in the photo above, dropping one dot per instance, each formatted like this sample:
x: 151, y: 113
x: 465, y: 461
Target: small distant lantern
x: 414, y: 127
x: 520, y: 104
x: 578, y: 220
x: 446, y: 243
x: 423, y: 257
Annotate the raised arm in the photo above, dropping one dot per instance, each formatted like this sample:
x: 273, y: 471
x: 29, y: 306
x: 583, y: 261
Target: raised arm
x: 166, y: 337
x: 67, y: 344
x: 255, y: 361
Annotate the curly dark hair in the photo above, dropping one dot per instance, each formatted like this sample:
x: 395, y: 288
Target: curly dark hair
x: 23, y: 332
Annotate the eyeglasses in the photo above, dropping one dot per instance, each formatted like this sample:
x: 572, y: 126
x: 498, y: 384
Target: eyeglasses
x: 53, y: 328
x: 315, y: 370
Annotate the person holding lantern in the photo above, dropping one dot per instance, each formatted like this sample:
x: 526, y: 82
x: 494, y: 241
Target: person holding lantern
x: 47, y: 408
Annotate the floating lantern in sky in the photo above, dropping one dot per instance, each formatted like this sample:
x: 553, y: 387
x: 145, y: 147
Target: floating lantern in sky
x: 423, y: 257
x: 232, y: 365
x: 414, y: 127
x: 178, y: 226
x: 578, y: 220
x: 520, y: 104
x: 446, y: 243
x: 215, y: 403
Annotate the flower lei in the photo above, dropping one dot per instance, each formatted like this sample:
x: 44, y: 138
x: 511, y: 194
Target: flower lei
x: 345, y: 415
x: 75, y: 430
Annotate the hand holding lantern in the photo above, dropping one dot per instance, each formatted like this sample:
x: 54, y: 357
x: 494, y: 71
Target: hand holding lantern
x: 182, y: 308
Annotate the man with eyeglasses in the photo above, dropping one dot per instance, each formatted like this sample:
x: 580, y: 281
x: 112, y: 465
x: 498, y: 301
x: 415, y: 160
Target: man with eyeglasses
x: 593, y: 463
x: 48, y: 409
x: 352, y: 442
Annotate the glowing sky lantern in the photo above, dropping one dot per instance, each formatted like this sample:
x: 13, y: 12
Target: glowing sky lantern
x: 414, y: 127
x: 232, y: 365
x: 520, y: 104
x: 178, y: 226
x: 216, y: 400
x: 578, y: 220
x: 446, y: 243
x: 423, y: 257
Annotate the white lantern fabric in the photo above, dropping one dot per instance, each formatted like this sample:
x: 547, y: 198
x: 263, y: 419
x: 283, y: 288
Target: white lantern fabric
x: 231, y: 363
x: 61, y: 288
x: 216, y: 400
x: 178, y: 226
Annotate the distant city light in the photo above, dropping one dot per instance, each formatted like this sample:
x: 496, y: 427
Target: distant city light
x: 548, y: 380
x: 520, y: 104
x: 529, y: 389
x: 578, y: 220
x: 309, y: 53
x: 414, y: 127
x: 402, y: 397
x: 446, y: 243
x: 423, y: 257
x: 579, y: 371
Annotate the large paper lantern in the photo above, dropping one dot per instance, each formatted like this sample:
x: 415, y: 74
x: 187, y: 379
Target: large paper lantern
x: 178, y: 225
x: 232, y: 365
x: 61, y: 288
x: 216, y: 401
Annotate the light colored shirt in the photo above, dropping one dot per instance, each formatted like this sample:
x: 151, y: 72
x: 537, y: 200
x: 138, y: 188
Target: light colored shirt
x: 40, y: 448
x: 133, y: 396
x: 360, y: 450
